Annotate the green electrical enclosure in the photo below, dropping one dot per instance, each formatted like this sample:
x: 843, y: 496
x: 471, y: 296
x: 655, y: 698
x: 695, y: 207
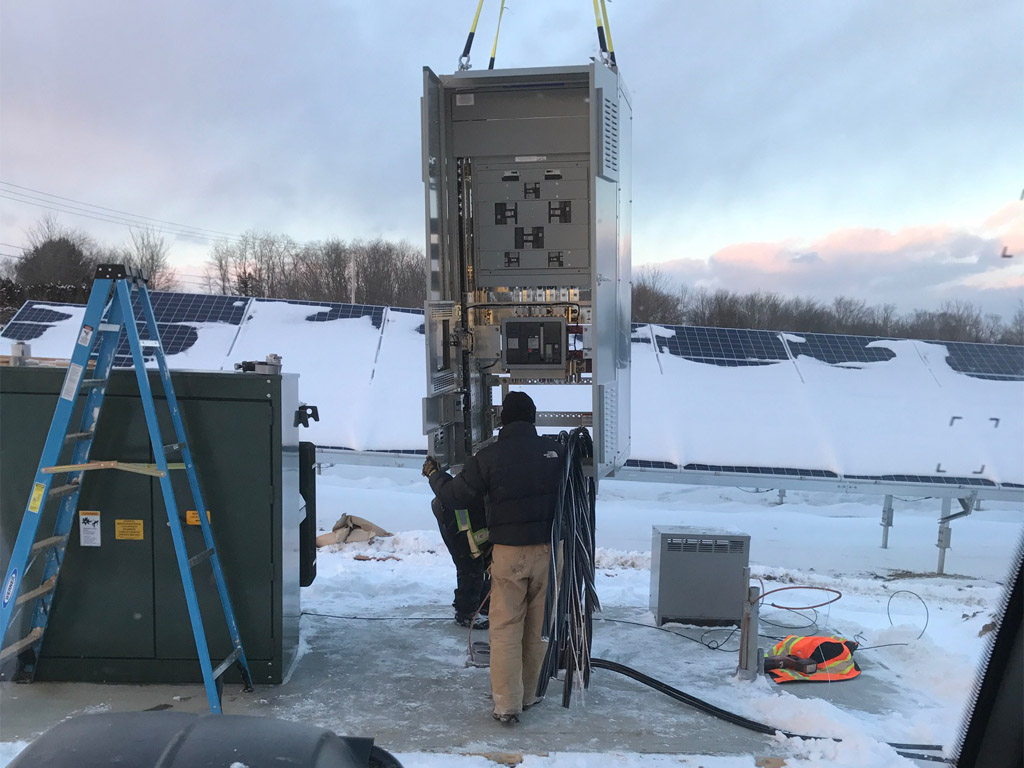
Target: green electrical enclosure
x: 119, y: 614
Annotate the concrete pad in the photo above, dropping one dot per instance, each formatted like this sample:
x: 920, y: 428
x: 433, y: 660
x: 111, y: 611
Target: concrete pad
x: 405, y: 682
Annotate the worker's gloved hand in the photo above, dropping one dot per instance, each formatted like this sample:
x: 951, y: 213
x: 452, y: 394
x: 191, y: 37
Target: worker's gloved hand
x: 430, y: 466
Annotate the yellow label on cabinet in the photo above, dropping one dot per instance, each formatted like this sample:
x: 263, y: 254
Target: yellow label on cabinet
x: 192, y: 517
x: 130, y: 530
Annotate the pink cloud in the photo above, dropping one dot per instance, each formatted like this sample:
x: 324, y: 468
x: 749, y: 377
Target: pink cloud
x: 915, y: 267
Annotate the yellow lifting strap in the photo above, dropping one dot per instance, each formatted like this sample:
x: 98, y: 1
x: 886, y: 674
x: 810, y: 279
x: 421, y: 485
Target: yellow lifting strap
x: 494, y: 48
x: 604, y: 35
x: 464, y: 59
x: 604, y: 32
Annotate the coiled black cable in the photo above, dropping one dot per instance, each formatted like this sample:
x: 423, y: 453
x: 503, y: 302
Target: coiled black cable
x: 571, y: 597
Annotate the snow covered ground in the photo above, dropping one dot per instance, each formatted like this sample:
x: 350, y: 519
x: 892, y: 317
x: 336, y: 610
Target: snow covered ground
x: 923, y: 635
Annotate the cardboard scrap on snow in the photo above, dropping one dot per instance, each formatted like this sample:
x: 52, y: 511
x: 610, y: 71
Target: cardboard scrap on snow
x: 351, y: 528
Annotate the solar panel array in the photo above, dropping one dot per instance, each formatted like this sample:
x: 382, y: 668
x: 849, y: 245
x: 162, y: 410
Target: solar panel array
x: 737, y: 347
x: 837, y: 349
x: 324, y: 311
x: 986, y: 361
x: 33, y: 320
x: 178, y: 314
x: 723, y: 346
x: 194, y: 307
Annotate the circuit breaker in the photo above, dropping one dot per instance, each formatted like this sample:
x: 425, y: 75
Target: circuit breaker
x: 528, y: 215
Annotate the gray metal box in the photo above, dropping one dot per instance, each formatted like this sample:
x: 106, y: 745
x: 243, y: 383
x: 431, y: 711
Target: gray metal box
x: 698, y: 575
x: 119, y: 614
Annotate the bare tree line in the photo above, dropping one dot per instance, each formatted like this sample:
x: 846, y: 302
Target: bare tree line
x: 654, y: 301
x: 58, y: 265
x: 358, y: 272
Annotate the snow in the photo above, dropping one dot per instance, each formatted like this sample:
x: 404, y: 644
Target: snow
x: 909, y: 415
x: 889, y: 596
x: 919, y: 632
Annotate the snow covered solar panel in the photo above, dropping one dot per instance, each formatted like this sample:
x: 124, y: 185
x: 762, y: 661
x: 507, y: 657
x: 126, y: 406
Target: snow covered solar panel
x: 24, y: 331
x: 194, y: 307
x: 786, y: 471
x: 176, y: 338
x: 326, y: 311
x: 723, y: 346
x: 926, y: 479
x: 986, y: 361
x: 837, y: 348
x: 33, y: 320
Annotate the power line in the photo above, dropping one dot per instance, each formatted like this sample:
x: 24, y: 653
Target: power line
x: 63, y: 208
x: 208, y: 232
x: 110, y: 220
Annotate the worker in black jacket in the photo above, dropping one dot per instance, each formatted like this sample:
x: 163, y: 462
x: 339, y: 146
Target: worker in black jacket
x: 519, y: 476
x: 471, y: 583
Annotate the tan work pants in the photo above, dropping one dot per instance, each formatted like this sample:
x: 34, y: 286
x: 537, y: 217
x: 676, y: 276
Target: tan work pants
x: 519, y: 580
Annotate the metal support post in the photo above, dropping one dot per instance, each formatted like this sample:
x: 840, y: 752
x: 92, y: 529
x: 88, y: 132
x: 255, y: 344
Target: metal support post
x: 782, y: 495
x: 945, y: 533
x: 886, y: 520
x: 751, y: 657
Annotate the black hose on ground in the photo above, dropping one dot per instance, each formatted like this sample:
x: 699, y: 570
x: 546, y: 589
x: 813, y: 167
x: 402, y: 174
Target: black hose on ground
x: 743, y: 722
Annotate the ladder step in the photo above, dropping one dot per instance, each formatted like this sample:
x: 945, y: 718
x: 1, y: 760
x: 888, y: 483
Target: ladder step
x: 222, y: 667
x: 109, y: 327
x: 148, y: 343
x: 30, y: 639
x: 206, y: 554
x: 47, y: 586
x: 94, y: 382
x: 43, y: 544
x: 63, y: 490
x: 172, y: 447
x: 72, y: 436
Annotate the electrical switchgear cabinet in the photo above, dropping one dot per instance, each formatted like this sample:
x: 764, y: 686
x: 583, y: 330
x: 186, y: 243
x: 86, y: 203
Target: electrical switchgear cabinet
x: 119, y: 614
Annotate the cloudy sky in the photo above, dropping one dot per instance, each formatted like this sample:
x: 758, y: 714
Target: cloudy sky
x: 867, y: 148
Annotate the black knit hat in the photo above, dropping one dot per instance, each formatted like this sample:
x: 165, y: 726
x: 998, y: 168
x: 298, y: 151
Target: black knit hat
x: 518, y: 406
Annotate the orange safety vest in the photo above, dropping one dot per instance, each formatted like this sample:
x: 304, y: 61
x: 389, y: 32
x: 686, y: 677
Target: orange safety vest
x: 834, y: 657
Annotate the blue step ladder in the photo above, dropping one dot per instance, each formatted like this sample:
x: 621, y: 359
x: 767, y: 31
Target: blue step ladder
x: 108, y: 312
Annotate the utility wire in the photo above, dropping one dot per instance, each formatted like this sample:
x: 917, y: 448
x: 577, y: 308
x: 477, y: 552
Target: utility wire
x: 109, y: 219
x: 208, y: 232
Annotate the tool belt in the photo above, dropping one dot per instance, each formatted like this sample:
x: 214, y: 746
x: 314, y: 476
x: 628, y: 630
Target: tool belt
x: 479, y: 540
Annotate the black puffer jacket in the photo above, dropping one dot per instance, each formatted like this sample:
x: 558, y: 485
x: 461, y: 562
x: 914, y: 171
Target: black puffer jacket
x: 518, y: 475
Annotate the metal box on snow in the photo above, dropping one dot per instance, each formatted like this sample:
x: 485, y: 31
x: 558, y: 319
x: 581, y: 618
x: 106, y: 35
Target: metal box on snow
x: 698, y: 575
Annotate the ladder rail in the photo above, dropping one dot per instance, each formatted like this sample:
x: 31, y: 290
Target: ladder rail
x: 107, y: 346
x: 193, y: 480
x: 66, y: 402
x: 170, y: 503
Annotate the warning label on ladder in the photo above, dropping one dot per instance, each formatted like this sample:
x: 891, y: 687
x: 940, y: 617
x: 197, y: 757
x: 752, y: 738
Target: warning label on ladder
x: 37, y: 497
x: 71, y: 382
x: 85, y: 336
x: 89, y: 528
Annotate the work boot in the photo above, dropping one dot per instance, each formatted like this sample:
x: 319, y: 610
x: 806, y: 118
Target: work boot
x: 469, y: 620
x: 507, y: 718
